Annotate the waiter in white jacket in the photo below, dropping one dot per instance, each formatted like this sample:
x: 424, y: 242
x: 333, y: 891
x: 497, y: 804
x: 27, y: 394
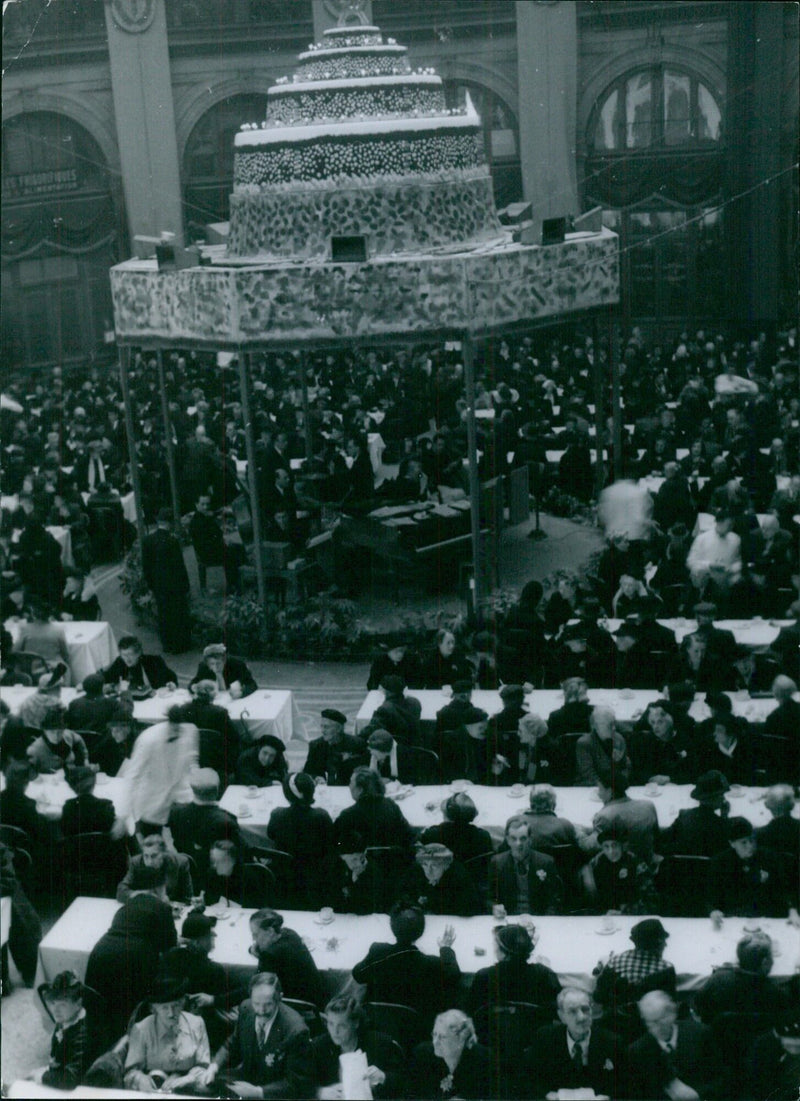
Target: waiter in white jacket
x: 161, y: 763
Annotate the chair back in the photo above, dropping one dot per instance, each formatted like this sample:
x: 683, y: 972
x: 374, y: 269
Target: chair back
x: 478, y: 868
x: 15, y: 676
x: 31, y: 663
x: 390, y: 859
x: 14, y: 837
x: 212, y: 754
x: 261, y: 886
x: 281, y: 868
x: 568, y: 859
x: 310, y: 1014
x: 91, y: 864
x: 244, y: 521
x: 733, y: 1037
x: 401, y: 1022
x: 682, y: 883
x: 510, y: 1026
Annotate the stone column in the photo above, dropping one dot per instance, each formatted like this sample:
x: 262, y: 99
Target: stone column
x: 145, y: 116
x: 547, y: 66
x: 328, y: 12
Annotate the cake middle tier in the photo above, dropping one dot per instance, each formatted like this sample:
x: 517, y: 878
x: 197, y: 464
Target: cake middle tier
x: 308, y: 154
x: 396, y: 215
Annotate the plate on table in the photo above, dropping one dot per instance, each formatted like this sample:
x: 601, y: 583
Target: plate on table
x: 244, y: 812
x: 607, y: 932
x: 321, y: 921
x: 516, y: 791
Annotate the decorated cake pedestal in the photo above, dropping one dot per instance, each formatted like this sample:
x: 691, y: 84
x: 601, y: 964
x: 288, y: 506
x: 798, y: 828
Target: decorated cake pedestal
x: 359, y: 146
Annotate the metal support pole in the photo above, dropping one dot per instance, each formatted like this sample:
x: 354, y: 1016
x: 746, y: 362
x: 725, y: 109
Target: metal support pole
x: 616, y: 403
x: 474, y: 483
x: 599, y: 407
x: 173, y: 477
x: 133, y: 458
x: 252, y: 475
x: 304, y: 391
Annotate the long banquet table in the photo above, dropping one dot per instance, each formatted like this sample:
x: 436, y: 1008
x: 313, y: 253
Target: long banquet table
x: 571, y: 946
x: 262, y: 712
x: 627, y: 704
x: 91, y: 645
x: 422, y: 805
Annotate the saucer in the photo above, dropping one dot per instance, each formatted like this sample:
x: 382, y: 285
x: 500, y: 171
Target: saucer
x: 515, y: 794
x: 607, y: 932
x: 321, y: 921
x: 653, y: 794
x: 252, y: 794
x: 244, y: 812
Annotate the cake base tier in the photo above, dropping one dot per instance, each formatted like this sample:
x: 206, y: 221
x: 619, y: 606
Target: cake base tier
x: 403, y: 216
x: 227, y: 306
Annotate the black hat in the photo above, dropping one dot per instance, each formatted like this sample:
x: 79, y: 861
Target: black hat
x: 647, y: 932
x: 612, y: 831
x: 627, y: 629
x: 275, y: 743
x: 65, y: 985
x: 739, y: 828
x: 332, y: 714
x: 164, y: 516
x: 167, y: 989
x: 710, y: 785
x: 472, y: 715
x: 197, y: 924
x: 512, y: 692
x: 462, y: 687
x: 705, y: 607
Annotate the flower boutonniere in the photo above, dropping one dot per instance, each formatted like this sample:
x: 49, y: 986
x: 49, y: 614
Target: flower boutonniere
x: 423, y: 901
x: 764, y: 875
x: 542, y: 874
x: 608, y: 1065
x: 623, y: 873
x: 269, y: 1058
x: 446, y: 1083
x: 682, y: 753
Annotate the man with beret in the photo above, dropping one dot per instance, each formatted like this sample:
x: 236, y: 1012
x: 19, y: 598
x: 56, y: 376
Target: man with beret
x: 720, y: 643
x: 748, y: 881
x: 138, y: 671
x: 404, y: 763
x: 167, y: 578
x: 226, y: 673
x: 399, y: 713
x: 451, y: 716
x: 333, y: 756
x: 503, y: 729
x: 754, y: 672
x: 701, y: 830
x: 94, y: 711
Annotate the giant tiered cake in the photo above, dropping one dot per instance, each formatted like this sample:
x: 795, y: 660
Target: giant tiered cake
x: 358, y: 144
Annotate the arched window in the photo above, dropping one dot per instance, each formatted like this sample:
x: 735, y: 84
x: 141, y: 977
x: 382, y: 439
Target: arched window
x: 501, y: 137
x: 208, y: 160
x: 61, y: 231
x: 654, y: 161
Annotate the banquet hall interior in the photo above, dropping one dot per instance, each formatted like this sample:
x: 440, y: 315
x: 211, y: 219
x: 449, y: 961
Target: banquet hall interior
x: 400, y: 549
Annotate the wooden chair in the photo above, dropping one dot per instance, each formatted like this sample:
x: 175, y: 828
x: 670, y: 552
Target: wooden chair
x: 92, y: 864
x: 30, y: 663
x: 310, y: 1014
x: 478, y: 868
x: 14, y: 837
x: 733, y: 1037
x: 509, y: 1027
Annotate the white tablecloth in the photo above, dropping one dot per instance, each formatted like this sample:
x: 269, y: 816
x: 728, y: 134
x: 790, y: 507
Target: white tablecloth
x: 422, y: 808
x: 91, y: 645
x: 63, y: 537
x: 51, y: 792
x: 572, y: 946
x: 5, y: 919
x: 705, y: 521
x: 376, y: 448
x: 627, y: 704
x: 262, y: 712
x: 756, y: 633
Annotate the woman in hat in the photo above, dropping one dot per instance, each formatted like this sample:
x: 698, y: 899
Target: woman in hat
x: 263, y: 763
x: 614, y: 879
x: 70, y: 1046
x: 57, y: 748
x: 168, y: 1050
x: 444, y: 664
x: 440, y: 884
x: 359, y: 886
x: 774, y: 1063
x: 305, y: 832
x: 513, y: 978
x: 228, y: 674
x: 396, y: 660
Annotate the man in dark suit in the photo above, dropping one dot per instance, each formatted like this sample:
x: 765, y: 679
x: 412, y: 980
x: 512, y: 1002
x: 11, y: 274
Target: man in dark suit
x: 197, y: 825
x: 703, y: 830
x: 743, y: 987
x: 747, y: 881
x: 94, y: 711
x: 783, y: 723
x: 138, y: 670
x: 283, y: 952
x: 219, y: 748
x: 226, y: 673
x: 572, y: 1054
x: 268, y: 1054
x: 400, y: 973
x: 333, y: 756
x: 720, y: 643
x: 85, y: 813
x: 165, y: 573
x: 405, y: 763
x: 522, y: 880
x: 782, y: 832
x: 675, y: 1057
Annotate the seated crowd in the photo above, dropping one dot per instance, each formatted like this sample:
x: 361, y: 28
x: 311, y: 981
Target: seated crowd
x: 154, y: 1011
